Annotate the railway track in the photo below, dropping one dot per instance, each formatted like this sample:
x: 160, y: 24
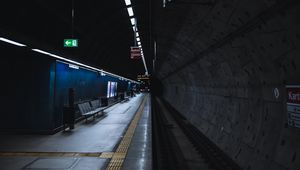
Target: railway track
x: 167, y: 146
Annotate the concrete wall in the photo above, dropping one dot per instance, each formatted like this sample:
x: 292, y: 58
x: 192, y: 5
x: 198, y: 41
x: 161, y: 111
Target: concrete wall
x: 221, y: 72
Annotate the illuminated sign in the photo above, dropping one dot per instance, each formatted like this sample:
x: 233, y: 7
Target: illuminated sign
x: 70, y: 43
x: 135, y: 53
x: 143, y: 77
x: 111, y: 89
x: 293, y: 105
x: 73, y: 66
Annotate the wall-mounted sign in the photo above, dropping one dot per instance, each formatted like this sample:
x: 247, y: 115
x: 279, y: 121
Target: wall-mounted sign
x: 293, y: 105
x: 135, y: 53
x: 70, y: 43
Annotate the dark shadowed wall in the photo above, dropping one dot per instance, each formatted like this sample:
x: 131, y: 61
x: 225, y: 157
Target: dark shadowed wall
x: 226, y: 71
x: 26, y: 102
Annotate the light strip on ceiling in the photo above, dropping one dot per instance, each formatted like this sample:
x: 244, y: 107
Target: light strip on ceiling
x: 80, y: 64
x: 127, y: 2
x: 12, y: 42
x: 130, y: 11
x: 132, y: 20
x: 135, y: 30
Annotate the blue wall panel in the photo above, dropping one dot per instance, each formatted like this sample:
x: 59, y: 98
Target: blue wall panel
x: 35, y: 89
x: 86, y: 83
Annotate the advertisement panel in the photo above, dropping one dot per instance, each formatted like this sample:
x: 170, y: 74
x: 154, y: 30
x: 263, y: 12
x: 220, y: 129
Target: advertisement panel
x: 135, y: 53
x: 293, y: 105
x: 111, y: 89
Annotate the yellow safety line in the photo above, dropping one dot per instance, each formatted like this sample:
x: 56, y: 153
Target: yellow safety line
x: 118, y: 157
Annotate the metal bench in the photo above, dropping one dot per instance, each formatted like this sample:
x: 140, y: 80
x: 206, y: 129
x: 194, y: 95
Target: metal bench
x: 96, y: 105
x: 87, y: 110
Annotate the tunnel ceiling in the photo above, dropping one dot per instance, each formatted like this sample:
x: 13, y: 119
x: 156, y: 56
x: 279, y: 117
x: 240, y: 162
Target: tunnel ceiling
x: 184, y: 30
x: 102, y: 27
x: 191, y: 33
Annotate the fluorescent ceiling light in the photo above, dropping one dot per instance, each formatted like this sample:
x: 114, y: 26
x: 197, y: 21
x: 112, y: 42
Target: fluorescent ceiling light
x: 12, y: 42
x: 41, y: 51
x: 137, y: 34
x: 138, y: 39
x: 80, y: 64
x: 127, y: 2
x: 134, y: 28
x: 132, y: 20
x: 130, y: 11
x: 139, y: 43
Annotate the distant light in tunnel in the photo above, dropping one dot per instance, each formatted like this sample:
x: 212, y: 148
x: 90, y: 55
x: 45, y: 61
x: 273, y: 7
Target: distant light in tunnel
x: 132, y: 20
x: 130, y: 11
x: 12, y: 42
x: 134, y: 28
x: 164, y: 3
x: 127, y: 2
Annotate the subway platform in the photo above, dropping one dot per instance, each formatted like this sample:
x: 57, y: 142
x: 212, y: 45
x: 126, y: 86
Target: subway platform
x: 119, y: 140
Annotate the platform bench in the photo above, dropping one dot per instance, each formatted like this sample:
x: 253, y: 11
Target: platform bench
x: 86, y: 110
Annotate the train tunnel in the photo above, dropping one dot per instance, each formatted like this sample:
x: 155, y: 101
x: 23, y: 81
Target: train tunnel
x: 227, y: 67
x: 229, y: 70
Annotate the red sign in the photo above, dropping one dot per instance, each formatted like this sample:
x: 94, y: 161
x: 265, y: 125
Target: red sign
x: 135, y: 52
x: 293, y: 94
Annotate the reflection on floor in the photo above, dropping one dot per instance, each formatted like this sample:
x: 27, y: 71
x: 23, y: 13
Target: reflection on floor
x: 89, y: 146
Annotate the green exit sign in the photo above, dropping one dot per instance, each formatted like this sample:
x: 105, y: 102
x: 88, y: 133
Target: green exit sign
x: 70, y: 42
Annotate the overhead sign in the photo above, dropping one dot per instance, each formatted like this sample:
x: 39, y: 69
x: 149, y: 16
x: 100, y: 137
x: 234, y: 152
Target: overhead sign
x: 135, y: 53
x: 70, y: 42
x: 293, y: 105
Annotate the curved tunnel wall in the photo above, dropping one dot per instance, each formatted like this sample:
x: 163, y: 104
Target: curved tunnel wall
x: 229, y: 63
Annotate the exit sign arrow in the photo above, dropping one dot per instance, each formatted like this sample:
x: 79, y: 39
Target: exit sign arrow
x: 70, y: 42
